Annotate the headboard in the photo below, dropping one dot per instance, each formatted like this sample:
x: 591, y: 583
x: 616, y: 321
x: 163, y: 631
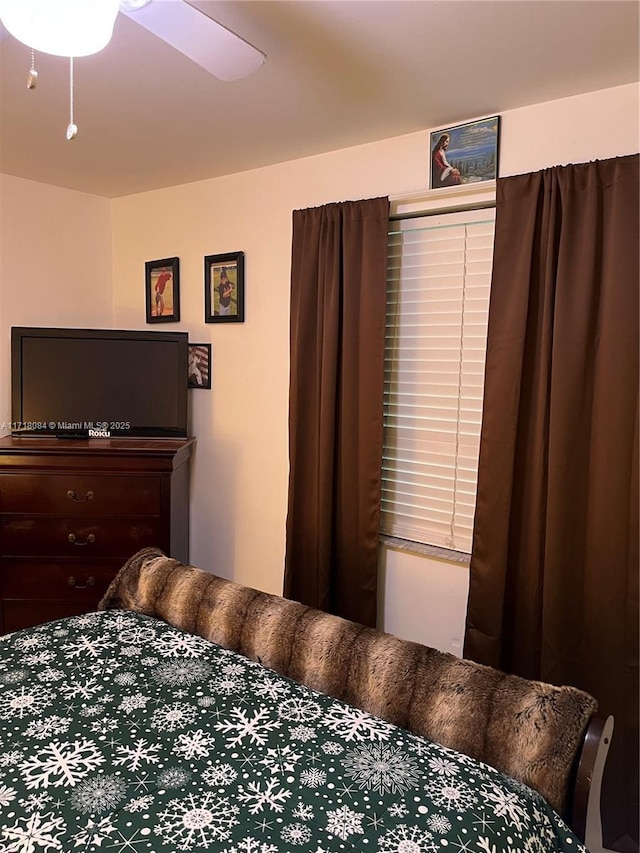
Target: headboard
x: 529, y: 730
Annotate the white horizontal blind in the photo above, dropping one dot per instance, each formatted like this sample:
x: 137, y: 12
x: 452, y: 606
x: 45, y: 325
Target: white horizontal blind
x: 438, y: 282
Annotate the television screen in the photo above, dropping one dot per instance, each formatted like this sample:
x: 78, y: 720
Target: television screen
x: 99, y: 383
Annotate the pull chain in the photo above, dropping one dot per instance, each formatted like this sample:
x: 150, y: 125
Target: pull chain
x: 32, y: 77
x: 72, y: 128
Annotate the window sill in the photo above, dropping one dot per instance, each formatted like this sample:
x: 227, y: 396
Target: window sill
x: 423, y: 550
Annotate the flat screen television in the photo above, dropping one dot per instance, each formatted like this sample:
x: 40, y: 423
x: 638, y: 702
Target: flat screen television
x: 98, y: 383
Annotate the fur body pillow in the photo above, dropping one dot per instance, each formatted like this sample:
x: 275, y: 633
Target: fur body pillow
x: 527, y: 729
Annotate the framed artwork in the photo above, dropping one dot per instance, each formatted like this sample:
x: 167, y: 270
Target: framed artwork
x: 224, y: 288
x: 465, y: 154
x: 199, y: 365
x: 162, y: 290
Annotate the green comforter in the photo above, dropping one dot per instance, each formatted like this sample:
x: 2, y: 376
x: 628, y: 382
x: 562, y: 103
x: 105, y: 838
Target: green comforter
x: 119, y: 733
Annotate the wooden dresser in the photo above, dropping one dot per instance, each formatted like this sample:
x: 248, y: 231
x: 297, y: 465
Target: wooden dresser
x: 73, y: 511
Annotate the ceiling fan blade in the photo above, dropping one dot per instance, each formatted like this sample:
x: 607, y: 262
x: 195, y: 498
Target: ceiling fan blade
x: 200, y: 38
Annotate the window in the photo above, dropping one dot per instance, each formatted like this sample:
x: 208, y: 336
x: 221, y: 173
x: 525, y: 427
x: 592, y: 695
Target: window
x: 439, y: 274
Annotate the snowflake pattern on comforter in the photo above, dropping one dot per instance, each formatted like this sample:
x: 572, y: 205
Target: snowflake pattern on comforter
x: 120, y: 733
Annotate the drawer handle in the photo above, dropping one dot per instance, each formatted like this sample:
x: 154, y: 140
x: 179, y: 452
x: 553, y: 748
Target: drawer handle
x: 90, y: 538
x: 72, y: 582
x: 73, y: 497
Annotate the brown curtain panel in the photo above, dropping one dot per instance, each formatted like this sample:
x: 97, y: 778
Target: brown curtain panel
x: 338, y: 304
x: 554, y: 569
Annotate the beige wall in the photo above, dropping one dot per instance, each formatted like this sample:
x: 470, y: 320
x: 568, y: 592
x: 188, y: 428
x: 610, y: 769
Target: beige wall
x: 55, y: 264
x: 241, y: 465
x: 239, y: 488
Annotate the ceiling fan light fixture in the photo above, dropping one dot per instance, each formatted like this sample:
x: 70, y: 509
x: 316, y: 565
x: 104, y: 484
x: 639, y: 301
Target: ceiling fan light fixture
x: 61, y: 27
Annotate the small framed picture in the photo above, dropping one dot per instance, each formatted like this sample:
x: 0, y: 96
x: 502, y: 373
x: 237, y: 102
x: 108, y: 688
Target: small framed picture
x: 199, y: 365
x: 224, y: 288
x: 465, y: 154
x: 162, y: 290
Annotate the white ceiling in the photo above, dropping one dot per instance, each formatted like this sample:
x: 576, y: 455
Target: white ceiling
x: 338, y: 73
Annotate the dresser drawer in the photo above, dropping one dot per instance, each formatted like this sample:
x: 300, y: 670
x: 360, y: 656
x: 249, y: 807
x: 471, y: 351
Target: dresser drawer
x: 78, y: 537
x: 73, y: 512
x: 80, y: 581
x: 79, y: 494
x: 16, y: 614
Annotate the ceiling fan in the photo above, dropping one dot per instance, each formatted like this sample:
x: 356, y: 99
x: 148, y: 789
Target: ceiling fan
x: 206, y: 42
x: 219, y: 51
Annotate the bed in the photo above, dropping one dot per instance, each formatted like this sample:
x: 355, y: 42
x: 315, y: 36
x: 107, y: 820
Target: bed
x: 190, y: 713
